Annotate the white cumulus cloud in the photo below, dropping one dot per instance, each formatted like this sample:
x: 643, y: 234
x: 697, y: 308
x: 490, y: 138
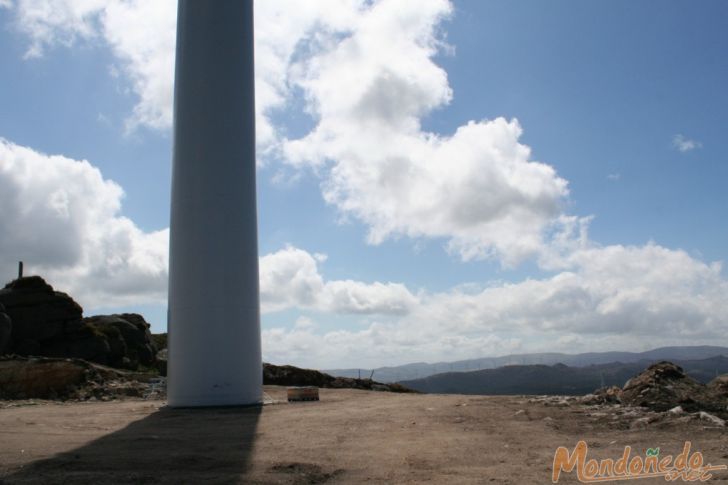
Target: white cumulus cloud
x: 141, y: 35
x: 612, y: 297
x: 63, y: 219
x: 290, y: 278
x: 367, y: 73
x: 51, y: 22
x: 478, y: 188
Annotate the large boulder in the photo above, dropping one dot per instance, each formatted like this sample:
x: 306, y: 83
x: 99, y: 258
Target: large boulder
x: 130, y: 341
x: 83, y: 342
x: 38, y: 313
x: 44, y: 322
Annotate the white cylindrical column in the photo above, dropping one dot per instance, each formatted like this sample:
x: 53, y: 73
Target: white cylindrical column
x: 214, y: 306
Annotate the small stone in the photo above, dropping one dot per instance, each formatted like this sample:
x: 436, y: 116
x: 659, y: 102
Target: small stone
x: 640, y: 423
x: 712, y: 419
x: 560, y: 403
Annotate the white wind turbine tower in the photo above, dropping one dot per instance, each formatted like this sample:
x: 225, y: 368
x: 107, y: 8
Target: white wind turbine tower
x: 214, y: 306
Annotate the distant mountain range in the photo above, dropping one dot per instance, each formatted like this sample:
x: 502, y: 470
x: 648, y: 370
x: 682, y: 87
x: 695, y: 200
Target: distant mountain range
x: 420, y: 370
x: 555, y: 379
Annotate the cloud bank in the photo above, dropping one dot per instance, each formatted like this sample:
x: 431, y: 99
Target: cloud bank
x: 141, y: 36
x: 367, y: 74
x: 621, y: 297
x: 64, y: 219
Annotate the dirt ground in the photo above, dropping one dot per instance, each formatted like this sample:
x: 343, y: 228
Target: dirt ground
x: 349, y: 436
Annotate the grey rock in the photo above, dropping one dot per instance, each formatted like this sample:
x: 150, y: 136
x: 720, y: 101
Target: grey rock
x: 712, y: 419
x: 45, y: 322
x: 37, y: 312
x: 128, y: 336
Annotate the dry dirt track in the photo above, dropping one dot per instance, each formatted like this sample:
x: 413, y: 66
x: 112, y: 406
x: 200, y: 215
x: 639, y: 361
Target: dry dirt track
x: 348, y: 437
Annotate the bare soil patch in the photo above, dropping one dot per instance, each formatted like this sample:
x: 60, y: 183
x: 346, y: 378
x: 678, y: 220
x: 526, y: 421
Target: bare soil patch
x: 349, y: 436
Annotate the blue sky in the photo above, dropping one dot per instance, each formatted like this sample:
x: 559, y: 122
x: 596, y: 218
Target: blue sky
x: 390, y: 229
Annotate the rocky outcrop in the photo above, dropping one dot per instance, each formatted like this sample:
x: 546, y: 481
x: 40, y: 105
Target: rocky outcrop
x: 50, y: 323
x: 665, y: 393
x: 130, y: 341
x: 664, y: 386
x: 38, y: 314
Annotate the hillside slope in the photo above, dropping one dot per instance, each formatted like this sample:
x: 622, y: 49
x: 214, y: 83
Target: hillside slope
x: 417, y: 370
x: 555, y: 379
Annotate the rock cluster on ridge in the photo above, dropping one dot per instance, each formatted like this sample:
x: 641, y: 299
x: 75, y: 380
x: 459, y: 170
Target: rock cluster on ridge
x: 45, y: 322
x: 664, y: 387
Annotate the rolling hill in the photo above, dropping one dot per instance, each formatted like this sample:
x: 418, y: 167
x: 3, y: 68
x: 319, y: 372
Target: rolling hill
x: 422, y: 369
x: 554, y: 379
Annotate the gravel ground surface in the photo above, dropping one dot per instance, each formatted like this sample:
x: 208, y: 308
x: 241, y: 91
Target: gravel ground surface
x: 350, y: 436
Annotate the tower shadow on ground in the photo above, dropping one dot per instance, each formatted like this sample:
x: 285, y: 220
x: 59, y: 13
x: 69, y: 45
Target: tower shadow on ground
x: 204, y: 445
